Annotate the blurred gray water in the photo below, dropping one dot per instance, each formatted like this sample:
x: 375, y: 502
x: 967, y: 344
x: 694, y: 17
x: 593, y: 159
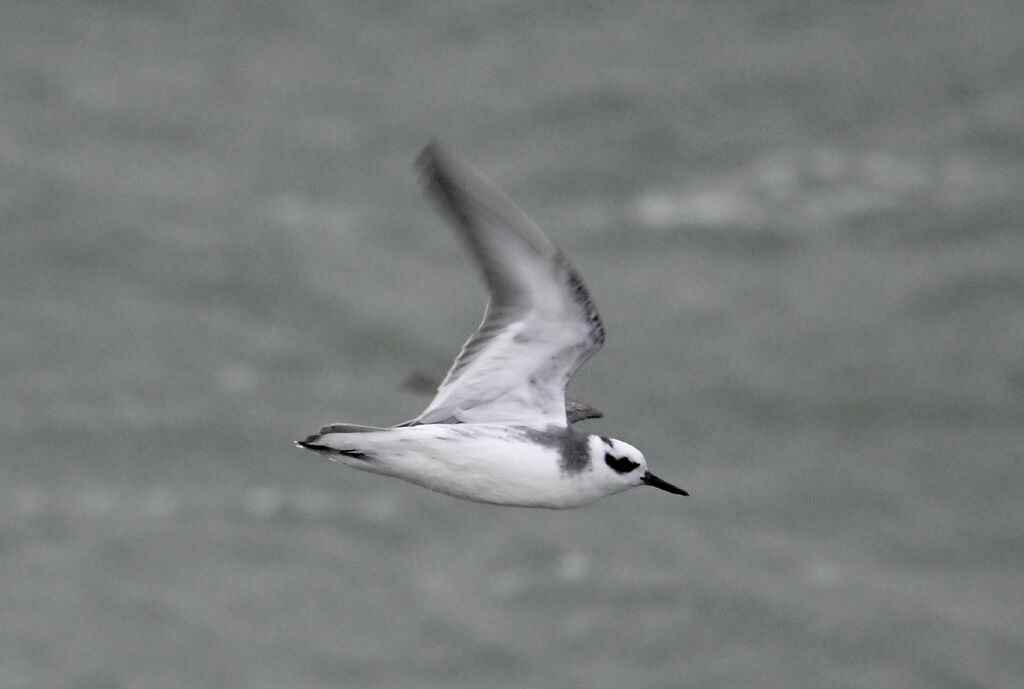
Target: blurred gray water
x: 802, y: 223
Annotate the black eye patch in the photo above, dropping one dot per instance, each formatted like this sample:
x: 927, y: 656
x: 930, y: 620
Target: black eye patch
x: 620, y: 464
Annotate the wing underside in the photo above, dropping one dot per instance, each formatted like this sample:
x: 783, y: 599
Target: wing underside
x: 539, y: 325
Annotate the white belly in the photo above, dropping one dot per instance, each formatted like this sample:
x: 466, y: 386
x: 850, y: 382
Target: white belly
x: 479, y: 462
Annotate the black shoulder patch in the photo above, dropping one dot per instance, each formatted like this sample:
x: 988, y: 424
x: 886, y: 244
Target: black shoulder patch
x: 623, y: 465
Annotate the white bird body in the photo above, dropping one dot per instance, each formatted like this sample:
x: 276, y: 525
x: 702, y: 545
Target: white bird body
x: 498, y: 429
x: 486, y: 462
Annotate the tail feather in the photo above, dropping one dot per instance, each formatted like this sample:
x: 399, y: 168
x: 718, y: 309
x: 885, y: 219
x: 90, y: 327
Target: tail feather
x: 310, y: 442
x: 348, y: 428
x: 355, y: 454
x: 313, y: 442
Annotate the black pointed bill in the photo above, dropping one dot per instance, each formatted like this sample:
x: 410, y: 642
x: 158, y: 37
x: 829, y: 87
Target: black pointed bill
x: 652, y: 480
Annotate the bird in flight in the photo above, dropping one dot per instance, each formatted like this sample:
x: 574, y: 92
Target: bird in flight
x: 498, y: 429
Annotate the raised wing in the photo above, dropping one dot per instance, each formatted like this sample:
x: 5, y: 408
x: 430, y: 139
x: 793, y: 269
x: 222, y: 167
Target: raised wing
x: 539, y: 324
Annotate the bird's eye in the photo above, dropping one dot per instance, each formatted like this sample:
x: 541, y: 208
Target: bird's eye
x: 623, y: 465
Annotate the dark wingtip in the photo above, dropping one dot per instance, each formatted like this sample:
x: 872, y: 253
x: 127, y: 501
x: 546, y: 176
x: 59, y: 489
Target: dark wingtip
x: 452, y: 187
x: 420, y: 383
x: 429, y: 158
x: 436, y: 168
x: 578, y: 411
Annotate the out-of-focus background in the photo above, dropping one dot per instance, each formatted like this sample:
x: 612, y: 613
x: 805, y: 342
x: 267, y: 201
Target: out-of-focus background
x: 802, y: 223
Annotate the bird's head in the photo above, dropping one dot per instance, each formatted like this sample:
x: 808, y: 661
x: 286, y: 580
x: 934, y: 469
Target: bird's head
x: 621, y: 465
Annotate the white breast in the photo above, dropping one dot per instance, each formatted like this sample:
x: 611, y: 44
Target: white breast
x: 480, y: 462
